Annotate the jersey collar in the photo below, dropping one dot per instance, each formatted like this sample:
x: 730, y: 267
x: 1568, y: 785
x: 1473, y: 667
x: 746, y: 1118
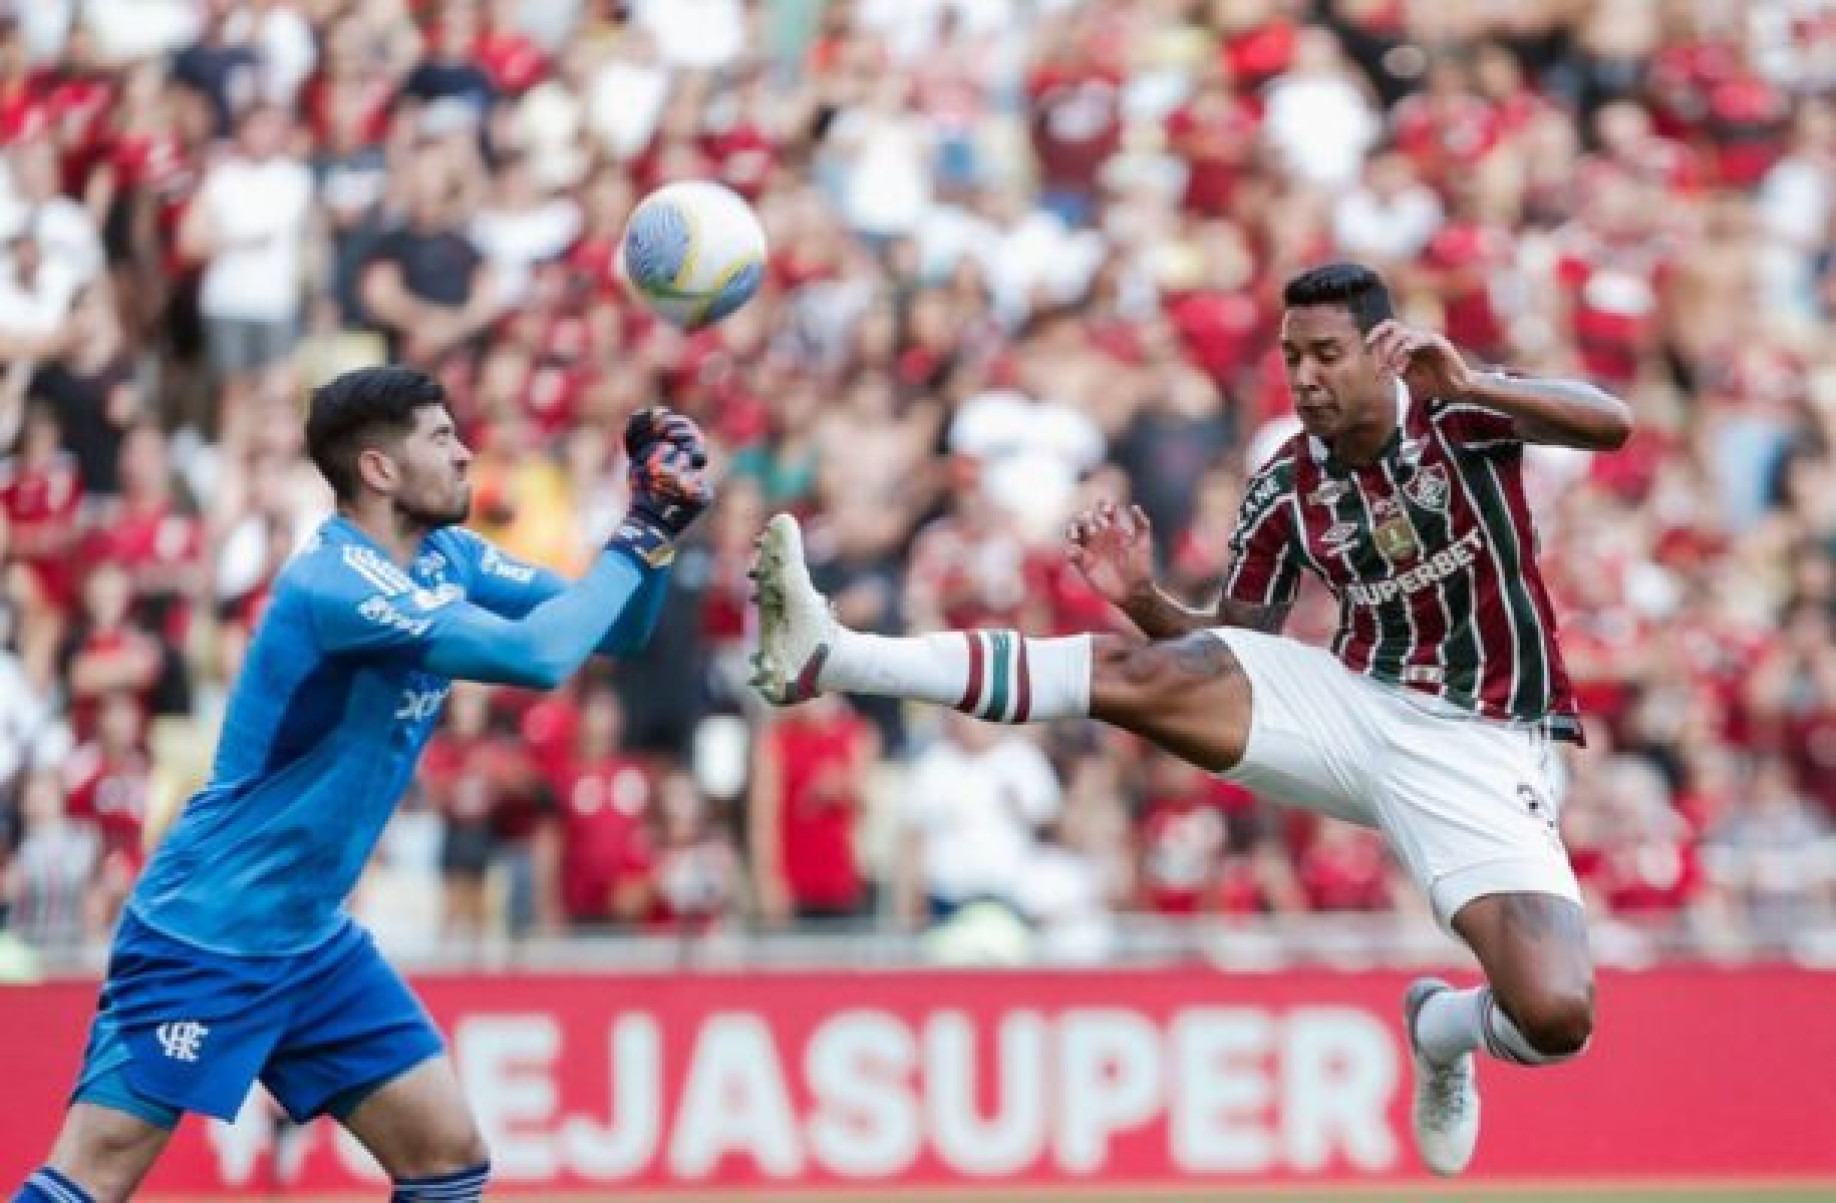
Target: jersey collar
x: 349, y: 532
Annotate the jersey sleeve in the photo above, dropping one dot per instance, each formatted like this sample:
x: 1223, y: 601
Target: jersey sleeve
x: 1475, y: 426
x: 511, y: 587
x: 1264, y: 561
x: 358, y: 609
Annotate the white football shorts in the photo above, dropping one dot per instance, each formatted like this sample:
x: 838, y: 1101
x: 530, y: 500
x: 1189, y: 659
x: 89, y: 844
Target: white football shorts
x: 1469, y: 805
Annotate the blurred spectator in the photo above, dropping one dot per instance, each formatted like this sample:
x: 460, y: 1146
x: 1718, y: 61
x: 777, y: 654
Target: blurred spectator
x: 1772, y: 858
x: 608, y: 802
x: 1634, y: 852
x: 1318, y: 116
x: 221, y: 65
x: 247, y: 225
x: 49, y: 878
x: 1184, y: 829
x: 425, y: 282
x: 1389, y: 217
x: 60, y: 227
x: 89, y: 382
x: 694, y: 35
x: 697, y: 881
x: 448, y: 72
x: 1082, y: 870
x: 109, y: 650
x: 28, y: 720
x: 1075, y: 94
x: 501, y: 845
x: 969, y: 819
x: 520, y: 227
x: 809, y: 786
x: 41, y: 497
x: 107, y: 782
x: 1346, y: 868
x: 154, y: 539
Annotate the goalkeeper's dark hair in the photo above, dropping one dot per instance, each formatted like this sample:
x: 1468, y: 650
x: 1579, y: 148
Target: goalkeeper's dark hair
x: 1352, y: 286
x: 361, y: 409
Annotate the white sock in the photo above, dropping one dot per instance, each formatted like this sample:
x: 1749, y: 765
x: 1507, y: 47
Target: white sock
x: 1449, y: 1024
x: 1455, y: 1022
x: 996, y: 675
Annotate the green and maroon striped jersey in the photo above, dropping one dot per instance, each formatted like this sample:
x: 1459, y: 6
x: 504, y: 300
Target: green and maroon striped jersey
x: 1431, y: 553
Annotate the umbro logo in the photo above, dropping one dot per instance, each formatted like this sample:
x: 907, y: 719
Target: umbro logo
x: 181, y: 1039
x: 1337, y: 536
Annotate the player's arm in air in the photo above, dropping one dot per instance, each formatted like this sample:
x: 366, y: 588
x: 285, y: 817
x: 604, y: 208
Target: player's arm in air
x: 511, y: 588
x: 357, y: 609
x: 1561, y: 413
x: 1113, y: 549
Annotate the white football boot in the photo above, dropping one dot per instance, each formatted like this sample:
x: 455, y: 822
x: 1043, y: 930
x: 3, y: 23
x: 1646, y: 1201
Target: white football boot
x: 1446, y: 1108
x: 796, y: 628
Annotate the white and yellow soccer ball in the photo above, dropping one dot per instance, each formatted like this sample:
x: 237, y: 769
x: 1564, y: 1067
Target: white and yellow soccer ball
x: 693, y: 252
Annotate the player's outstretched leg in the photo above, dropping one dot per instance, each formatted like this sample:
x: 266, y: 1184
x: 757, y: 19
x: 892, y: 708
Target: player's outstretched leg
x: 994, y: 675
x: 1190, y: 696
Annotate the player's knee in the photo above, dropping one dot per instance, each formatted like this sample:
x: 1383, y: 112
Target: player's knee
x: 465, y: 1151
x: 443, y: 1154
x: 1558, y: 1023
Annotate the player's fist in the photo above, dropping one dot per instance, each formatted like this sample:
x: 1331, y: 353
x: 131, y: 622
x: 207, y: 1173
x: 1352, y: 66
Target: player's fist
x: 1113, y: 549
x: 648, y: 427
x: 669, y: 486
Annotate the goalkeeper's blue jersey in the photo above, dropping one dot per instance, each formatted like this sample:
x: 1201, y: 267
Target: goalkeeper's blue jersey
x: 324, y: 726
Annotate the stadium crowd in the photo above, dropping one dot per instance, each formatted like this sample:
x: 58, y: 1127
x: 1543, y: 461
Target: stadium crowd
x: 1026, y: 253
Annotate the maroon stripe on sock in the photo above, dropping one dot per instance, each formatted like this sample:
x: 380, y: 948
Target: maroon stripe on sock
x: 1024, y: 688
x: 805, y: 686
x: 972, y: 693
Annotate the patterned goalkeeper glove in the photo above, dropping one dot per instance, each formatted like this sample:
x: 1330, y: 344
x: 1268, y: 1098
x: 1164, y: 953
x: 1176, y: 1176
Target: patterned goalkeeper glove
x: 648, y: 427
x: 668, y: 489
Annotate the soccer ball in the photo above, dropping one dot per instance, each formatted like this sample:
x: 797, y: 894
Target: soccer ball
x: 693, y: 252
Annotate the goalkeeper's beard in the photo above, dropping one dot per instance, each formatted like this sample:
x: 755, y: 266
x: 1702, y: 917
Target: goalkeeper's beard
x: 429, y: 518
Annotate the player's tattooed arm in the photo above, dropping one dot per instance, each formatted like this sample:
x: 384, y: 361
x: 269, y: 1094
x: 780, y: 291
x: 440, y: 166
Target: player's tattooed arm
x: 1162, y: 617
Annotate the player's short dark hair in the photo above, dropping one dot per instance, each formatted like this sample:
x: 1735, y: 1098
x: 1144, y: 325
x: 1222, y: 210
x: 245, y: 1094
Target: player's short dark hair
x: 1352, y: 286
x: 356, y: 410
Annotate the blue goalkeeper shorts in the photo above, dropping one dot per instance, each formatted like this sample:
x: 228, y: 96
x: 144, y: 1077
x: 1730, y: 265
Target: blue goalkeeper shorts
x: 182, y: 1029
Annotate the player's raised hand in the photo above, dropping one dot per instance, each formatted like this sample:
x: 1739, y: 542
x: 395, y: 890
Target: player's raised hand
x: 1113, y: 549
x: 1426, y: 361
x: 669, y: 485
x: 658, y: 424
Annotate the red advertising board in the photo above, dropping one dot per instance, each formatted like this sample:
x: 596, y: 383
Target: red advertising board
x: 664, y: 1084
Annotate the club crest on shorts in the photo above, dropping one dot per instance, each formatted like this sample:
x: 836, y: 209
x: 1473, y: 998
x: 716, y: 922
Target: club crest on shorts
x: 181, y: 1040
x: 1429, y: 488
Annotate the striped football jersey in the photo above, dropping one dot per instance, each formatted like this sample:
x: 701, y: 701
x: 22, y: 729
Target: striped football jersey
x: 1431, y: 553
